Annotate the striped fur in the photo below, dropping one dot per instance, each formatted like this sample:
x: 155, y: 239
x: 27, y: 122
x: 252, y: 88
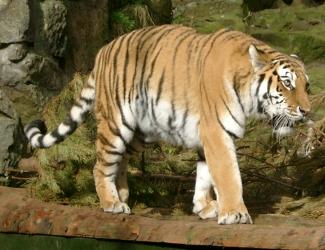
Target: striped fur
x: 171, y: 83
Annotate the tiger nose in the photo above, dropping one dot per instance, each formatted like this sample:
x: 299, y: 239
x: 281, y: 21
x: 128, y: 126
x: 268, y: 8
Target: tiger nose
x: 304, y: 111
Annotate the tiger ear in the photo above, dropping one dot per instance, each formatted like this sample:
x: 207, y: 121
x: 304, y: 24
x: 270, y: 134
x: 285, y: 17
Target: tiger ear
x: 257, y: 58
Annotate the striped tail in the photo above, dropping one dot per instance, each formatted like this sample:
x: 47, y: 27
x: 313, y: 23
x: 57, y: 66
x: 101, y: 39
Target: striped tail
x: 36, y: 130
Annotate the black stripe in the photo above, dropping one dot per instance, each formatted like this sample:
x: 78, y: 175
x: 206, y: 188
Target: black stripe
x: 152, y: 66
x: 209, y: 50
x: 203, y: 91
x: 182, y: 37
x: 185, y: 115
x: 102, y: 82
x: 33, y: 134
x: 58, y: 137
x: 105, y: 141
x: 137, y: 53
x: 231, y: 114
x: 126, y: 64
x: 118, y: 101
x: 151, y: 33
x: 106, y: 175
x: 223, y: 127
x: 154, y: 117
x: 142, y: 82
x: 189, y: 50
x: 161, y: 80
x: 170, y: 123
x: 99, y: 67
x: 37, y: 124
x: 259, y: 107
x: 172, y: 118
x: 260, y: 80
x: 117, y: 132
x: 230, y: 37
x: 105, y: 57
x: 236, y: 89
x: 114, y: 62
x: 209, y: 37
x: 202, y: 61
x: 141, y: 43
x: 269, y: 85
x: 72, y: 124
x: 86, y: 100
x: 218, y: 34
x: 40, y: 141
x: 112, y: 152
x: 112, y: 59
x: 109, y: 164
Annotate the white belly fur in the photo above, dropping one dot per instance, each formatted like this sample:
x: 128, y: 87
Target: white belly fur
x: 157, y: 122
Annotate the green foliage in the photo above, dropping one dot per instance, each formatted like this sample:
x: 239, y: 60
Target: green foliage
x: 124, y: 20
x: 63, y: 161
x: 130, y: 17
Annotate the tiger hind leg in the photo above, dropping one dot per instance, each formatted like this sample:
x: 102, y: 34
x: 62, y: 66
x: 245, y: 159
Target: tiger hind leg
x: 134, y: 147
x: 204, y: 203
x: 110, y: 169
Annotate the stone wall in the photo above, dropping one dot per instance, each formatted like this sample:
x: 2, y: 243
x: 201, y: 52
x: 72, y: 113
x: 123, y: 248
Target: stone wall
x: 42, y: 44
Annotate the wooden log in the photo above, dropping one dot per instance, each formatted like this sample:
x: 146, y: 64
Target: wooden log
x: 21, y: 214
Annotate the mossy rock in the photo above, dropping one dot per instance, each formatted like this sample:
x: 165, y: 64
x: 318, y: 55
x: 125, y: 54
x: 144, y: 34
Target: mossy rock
x: 294, y: 29
x: 209, y: 16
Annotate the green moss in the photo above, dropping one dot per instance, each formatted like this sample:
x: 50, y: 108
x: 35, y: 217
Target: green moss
x: 209, y: 16
x: 124, y: 20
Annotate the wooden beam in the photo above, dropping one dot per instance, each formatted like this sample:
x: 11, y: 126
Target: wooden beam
x: 21, y: 214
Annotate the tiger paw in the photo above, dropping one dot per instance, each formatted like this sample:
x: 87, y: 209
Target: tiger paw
x: 118, y: 207
x: 234, y: 218
x: 210, y: 211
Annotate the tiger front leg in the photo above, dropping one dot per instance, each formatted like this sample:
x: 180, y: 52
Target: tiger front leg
x: 205, y: 205
x: 122, y: 182
x: 221, y: 158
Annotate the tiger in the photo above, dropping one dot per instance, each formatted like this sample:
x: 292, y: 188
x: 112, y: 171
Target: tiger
x: 171, y: 83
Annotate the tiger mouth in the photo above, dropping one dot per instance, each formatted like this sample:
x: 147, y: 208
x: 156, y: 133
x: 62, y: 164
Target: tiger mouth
x: 281, y: 121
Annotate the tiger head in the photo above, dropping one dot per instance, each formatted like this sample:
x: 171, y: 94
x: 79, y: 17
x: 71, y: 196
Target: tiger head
x: 281, y: 88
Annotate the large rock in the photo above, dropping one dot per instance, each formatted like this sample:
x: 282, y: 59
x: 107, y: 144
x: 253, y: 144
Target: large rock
x: 18, y: 66
x: 14, y: 21
x: 12, y: 69
x: 50, y: 20
x: 11, y: 136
